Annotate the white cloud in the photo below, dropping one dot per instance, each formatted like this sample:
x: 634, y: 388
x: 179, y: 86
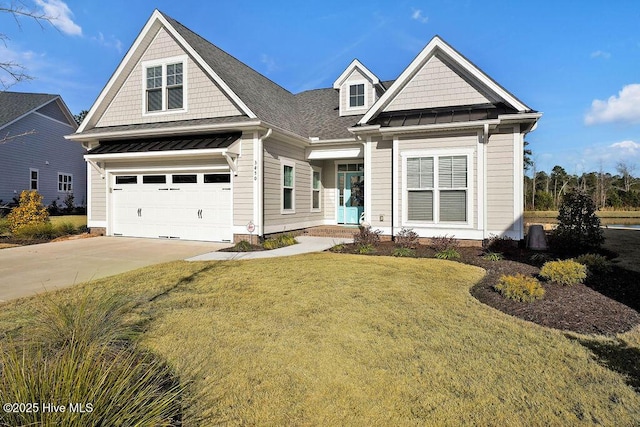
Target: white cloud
x: 600, y: 54
x: 624, y: 108
x: 418, y: 16
x: 627, y: 147
x: 111, y: 42
x: 269, y: 62
x: 61, y: 16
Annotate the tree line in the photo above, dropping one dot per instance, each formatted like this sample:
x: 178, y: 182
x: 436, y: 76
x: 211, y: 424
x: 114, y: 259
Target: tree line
x: 544, y: 190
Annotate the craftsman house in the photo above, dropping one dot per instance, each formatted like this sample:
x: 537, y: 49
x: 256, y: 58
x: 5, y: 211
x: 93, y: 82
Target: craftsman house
x: 34, y: 154
x: 185, y: 141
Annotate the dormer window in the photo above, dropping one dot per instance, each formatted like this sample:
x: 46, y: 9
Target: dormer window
x: 356, y: 95
x: 164, y: 85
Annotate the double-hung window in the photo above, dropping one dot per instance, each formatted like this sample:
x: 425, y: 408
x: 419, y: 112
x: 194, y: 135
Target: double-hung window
x: 315, y: 189
x: 356, y: 95
x: 33, y: 179
x: 437, y: 189
x: 288, y: 180
x: 65, y: 182
x: 164, y: 85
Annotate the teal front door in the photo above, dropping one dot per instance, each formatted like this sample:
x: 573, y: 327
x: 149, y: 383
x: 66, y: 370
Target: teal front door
x: 351, y: 197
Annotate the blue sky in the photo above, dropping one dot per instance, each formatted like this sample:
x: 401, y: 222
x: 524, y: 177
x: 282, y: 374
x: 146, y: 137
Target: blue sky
x: 578, y: 62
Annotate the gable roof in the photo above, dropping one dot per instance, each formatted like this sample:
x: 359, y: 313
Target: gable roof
x: 14, y: 105
x: 439, y: 46
x: 355, y: 65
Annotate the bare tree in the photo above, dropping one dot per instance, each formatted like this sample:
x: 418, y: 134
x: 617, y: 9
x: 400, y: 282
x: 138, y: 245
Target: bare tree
x: 626, y: 173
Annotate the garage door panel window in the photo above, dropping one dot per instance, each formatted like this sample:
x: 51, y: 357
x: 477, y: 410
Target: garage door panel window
x: 217, y: 178
x: 126, y: 179
x: 154, y: 179
x: 437, y: 189
x: 184, y: 179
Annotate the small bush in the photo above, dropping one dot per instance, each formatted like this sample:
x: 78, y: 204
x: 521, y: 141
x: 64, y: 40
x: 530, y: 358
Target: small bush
x: 539, y: 258
x: 243, y: 246
x: 29, y: 211
x: 366, y: 248
x: 520, y: 288
x: 367, y: 237
x: 444, y: 243
x: 596, y: 264
x: 407, y: 238
x: 578, y: 229
x: 279, y: 242
x: 450, y: 253
x: 404, y: 252
x: 338, y: 248
x: 493, y: 256
x: 566, y: 272
x: 44, y: 230
x: 502, y: 244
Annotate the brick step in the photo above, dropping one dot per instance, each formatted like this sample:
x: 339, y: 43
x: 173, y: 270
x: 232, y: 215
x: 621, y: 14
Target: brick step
x: 331, y: 231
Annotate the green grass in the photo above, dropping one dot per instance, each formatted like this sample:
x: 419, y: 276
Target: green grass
x: 335, y: 339
x: 606, y: 217
x: 75, y: 220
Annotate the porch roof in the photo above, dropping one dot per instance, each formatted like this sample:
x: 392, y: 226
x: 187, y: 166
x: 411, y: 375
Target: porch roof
x: 429, y: 116
x: 173, y: 143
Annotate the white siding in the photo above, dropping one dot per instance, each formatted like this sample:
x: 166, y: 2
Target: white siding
x: 274, y: 220
x: 500, y: 182
x: 435, y: 85
x: 381, y: 191
x: 356, y: 77
x: 98, y: 202
x: 243, y: 185
x: 204, y: 99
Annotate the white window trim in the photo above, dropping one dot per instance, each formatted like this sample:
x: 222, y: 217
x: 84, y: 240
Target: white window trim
x: 348, y: 85
x: 436, y: 154
x: 71, y: 185
x: 164, y: 62
x: 319, y: 190
x: 291, y: 163
x: 37, y: 171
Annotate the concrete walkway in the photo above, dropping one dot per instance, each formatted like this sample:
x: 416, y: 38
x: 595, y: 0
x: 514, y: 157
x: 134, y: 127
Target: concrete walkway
x: 306, y: 244
x: 28, y: 270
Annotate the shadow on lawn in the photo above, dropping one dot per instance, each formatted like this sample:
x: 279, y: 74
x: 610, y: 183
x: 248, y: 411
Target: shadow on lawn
x: 620, y: 284
x: 617, y: 356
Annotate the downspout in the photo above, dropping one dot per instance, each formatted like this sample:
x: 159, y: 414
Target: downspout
x: 261, y: 183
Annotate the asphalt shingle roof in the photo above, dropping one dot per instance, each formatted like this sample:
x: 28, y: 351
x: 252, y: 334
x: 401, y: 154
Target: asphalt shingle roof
x: 16, y: 104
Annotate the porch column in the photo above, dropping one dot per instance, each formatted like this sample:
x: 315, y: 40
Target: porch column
x: 367, y: 180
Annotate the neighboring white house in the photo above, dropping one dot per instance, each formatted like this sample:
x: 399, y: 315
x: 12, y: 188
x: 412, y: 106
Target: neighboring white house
x: 34, y: 154
x: 185, y: 141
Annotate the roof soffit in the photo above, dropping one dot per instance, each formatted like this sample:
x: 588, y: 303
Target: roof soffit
x: 474, y: 76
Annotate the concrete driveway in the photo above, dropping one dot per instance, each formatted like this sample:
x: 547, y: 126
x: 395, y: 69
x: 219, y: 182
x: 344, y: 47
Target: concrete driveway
x: 28, y: 270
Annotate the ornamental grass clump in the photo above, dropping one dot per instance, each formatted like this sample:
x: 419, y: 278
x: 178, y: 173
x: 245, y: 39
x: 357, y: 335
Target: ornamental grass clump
x: 279, y: 241
x: 520, y: 288
x: 566, y: 272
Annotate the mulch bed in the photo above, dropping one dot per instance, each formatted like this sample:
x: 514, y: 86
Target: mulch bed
x: 605, y: 305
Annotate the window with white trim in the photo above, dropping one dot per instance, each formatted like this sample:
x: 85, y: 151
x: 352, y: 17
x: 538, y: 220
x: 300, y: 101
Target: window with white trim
x: 316, y: 187
x: 288, y: 180
x: 65, y: 182
x: 164, y: 86
x: 437, y: 189
x: 356, y: 95
x: 34, y: 179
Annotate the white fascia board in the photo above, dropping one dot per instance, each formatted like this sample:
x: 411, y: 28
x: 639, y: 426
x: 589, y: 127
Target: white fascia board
x: 347, y: 72
x: 430, y: 49
x: 335, y: 153
x: 156, y: 154
x: 504, y: 118
x: 439, y: 127
x: 318, y: 141
x: 240, y: 126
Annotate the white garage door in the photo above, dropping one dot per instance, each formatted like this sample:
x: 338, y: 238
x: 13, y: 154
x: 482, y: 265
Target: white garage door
x: 189, y: 206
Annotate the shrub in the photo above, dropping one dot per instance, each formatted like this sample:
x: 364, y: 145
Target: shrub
x: 596, y: 264
x: 338, y: 248
x: 404, y: 252
x: 407, y: 238
x: 366, y: 248
x: 279, y: 242
x: 367, y: 237
x: 450, y: 253
x: 502, y: 244
x: 566, y: 272
x: 444, y: 243
x: 493, y: 256
x: 28, y: 212
x: 243, y: 246
x: 69, y: 204
x: 539, y: 258
x: 578, y: 228
x: 520, y: 288
x: 44, y: 230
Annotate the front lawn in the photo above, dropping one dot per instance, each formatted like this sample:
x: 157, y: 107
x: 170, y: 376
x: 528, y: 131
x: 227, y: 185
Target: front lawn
x: 337, y: 339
